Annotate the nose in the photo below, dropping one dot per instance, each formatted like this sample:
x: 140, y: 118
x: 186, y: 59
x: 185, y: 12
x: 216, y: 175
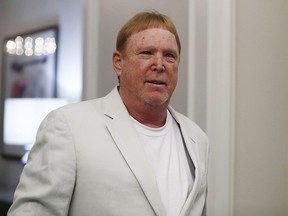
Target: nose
x: 158, y: 64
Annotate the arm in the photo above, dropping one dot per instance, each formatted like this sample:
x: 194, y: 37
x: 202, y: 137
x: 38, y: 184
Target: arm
x: 47, y: 182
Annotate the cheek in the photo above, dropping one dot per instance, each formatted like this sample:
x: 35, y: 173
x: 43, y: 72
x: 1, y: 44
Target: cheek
x: 174, y: 74
x: 174, y: 82
x: 136, y: 70
x: 131, y: 74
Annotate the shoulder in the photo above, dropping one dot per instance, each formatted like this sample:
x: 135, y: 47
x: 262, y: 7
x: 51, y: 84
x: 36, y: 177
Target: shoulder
x: 95, y: 109
x: 99, y: 105
x: 80, y: 106
x: 77, y: 109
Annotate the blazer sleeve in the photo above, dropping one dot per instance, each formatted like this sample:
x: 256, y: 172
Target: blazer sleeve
x: 47, y: 181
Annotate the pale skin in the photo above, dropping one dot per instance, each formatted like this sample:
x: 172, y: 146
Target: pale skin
x: 148, y: 71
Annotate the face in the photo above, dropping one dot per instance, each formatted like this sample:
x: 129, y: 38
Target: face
x: 148, y: 67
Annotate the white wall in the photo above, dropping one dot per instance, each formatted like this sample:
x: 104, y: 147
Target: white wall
x: 261, y: 153
x: 220, y: 105
x: 247, y: 107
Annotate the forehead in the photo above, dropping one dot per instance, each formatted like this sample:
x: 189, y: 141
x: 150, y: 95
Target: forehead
x: 153, y: 36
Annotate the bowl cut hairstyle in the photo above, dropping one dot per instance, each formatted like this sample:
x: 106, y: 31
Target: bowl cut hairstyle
x: 143, y: 21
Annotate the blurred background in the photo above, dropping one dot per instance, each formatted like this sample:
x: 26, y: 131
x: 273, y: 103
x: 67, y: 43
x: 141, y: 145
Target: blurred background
x: 233, y: 81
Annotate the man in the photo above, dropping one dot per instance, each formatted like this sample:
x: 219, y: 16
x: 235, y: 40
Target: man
x: 128, y: 153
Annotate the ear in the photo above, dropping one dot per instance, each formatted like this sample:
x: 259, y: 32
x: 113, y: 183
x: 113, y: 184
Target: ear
x: 117, y: 62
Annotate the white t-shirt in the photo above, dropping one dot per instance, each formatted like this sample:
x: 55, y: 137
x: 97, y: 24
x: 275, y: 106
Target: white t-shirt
x: 166, y: 154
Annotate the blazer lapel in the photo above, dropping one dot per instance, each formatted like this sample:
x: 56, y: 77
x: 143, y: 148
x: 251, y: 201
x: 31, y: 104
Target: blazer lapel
x: 190, y: 144
x: 125, y: 136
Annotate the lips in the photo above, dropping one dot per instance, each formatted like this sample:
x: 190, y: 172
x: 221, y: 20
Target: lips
x: 156, y: 82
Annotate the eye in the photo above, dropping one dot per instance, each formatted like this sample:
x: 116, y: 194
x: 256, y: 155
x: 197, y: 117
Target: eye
x: 146, y: 52
x: 170, y: 56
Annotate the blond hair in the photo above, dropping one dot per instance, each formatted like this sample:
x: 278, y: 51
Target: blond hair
x: 142, y: 21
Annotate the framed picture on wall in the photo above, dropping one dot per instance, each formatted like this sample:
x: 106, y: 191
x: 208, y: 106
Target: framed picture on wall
x: 29, y: 86
x: 30, y: 64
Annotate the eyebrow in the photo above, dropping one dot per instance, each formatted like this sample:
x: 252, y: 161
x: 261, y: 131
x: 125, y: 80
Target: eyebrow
x: 151, y: 47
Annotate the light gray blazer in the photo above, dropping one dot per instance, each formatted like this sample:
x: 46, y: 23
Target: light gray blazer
x: 88, y: 160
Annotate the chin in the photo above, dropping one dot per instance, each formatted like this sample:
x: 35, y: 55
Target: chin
x: 157, y: 101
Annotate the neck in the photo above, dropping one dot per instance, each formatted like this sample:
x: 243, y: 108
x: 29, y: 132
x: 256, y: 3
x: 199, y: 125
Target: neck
x: 149, y: 116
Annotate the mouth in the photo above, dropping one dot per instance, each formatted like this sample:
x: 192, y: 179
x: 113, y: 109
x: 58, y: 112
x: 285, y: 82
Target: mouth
x: 156, y: 82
